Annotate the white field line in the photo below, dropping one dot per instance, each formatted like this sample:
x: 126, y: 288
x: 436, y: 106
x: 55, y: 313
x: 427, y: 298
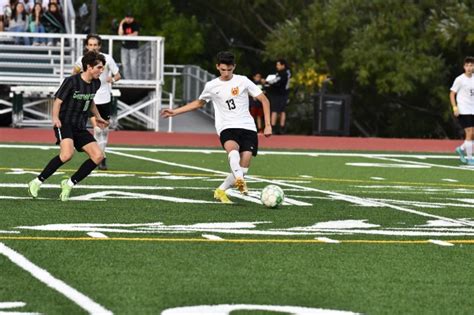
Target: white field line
x: 441, y: 243
x: 97, y: 235
x: 423, y: 163
x: 212, y: 237
x: 334, y: 195
x: 44, y: 276
x: 261, y: 152
x: 327, y: 240
x: 4, y: 305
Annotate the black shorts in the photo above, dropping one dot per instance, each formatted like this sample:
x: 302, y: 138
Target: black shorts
x: 466, y: 121
x: 278, y: 103
x: 246, y: 139
x: 80, y: 137
x: 104, y: 110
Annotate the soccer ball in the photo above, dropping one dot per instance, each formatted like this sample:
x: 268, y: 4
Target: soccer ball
x: 272, y: 196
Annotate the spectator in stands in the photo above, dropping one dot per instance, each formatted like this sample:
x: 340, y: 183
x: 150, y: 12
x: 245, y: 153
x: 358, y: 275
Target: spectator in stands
x: 5, y: 13
x: 129, y: 52
x: 102, y: 98
x: 35, y: 24
x: 19, y: 22
x: 53, y: 21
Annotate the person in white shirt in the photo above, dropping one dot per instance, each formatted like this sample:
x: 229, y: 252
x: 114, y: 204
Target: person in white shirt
x: 462, y: 102
x: 235, y: 126
x: 102, y: 98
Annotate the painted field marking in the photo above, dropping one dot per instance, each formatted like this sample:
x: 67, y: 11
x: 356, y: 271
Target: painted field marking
x: 441, y: 243
x: 212, y: 237
x: 237, y: 241
x: 44, y: 276
x: 336, y: 196
x: 97, y: 235
x: 327, y: 240
x: 423, y: 164
x: 4, y: 305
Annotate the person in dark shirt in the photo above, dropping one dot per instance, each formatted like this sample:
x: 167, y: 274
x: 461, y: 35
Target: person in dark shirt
x: 279, y: 88
x: 129, y: 51
x: 72, y: 103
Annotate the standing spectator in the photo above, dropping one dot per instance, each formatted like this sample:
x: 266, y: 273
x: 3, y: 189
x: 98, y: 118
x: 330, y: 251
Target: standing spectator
x: 5, y: 13
x: 53, y: 21
x: 71, y: 107
x: 279, y: 89
x: 19, y: 22
x: 256, y: 109
x: 102, y: 98
x: 462, y: 102
x: 129, y: 52
x: 35, y: 24
x: 229, y: 94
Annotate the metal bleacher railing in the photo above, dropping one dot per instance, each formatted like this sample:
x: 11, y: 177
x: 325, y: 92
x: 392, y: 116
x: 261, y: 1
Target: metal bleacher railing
x: 35, y: 72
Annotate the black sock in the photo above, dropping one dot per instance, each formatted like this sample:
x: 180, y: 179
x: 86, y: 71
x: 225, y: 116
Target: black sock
x: 49, y: 170
x: 86, y: 168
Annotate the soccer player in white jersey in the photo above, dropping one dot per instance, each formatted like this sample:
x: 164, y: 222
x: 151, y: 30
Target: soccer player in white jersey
x: 462, y: 102
x: 102, y: 98
x: 235, y: 126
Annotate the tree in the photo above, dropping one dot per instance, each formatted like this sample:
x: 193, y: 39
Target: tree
x: 394, y: 58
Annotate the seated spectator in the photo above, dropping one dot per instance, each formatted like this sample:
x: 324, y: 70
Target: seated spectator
x: 19, y: 22
x: 35, y: 24
x: 5, y: 11
x: 53, y: 21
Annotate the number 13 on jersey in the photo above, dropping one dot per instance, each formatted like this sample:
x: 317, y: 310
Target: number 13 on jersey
x: 231, y: 104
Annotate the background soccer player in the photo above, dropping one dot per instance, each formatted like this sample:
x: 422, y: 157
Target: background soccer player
x: 235, y: 126
x: 71, y: 108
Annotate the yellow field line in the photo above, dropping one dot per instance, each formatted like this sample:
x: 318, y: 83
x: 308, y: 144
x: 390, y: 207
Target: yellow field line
x: 202, y: 240
x: 320, y: 179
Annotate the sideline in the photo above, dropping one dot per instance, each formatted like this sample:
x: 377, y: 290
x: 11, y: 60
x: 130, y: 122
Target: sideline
x: 44, y: 276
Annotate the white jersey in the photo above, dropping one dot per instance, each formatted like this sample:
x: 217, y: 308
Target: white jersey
x: 102, y: 96
x: 231, y: 102
x: 463, y: 86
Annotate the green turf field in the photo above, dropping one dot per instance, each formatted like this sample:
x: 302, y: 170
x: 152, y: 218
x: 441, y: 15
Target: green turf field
x: 358, y: 233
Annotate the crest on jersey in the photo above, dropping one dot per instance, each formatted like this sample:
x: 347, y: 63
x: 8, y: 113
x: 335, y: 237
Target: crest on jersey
x: 234, y: 91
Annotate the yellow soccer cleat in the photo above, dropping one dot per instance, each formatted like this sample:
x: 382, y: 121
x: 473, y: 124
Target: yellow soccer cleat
x: 241, y: 185
x: 220, y: 195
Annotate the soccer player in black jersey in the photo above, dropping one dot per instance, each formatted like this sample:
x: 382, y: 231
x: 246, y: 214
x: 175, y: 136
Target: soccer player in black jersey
x: 71, y: 107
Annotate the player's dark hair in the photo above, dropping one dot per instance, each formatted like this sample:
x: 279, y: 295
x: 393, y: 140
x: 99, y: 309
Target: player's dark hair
x: 282, y: 62
x: 226, y: 58
x: 91, y: 58
x: 469, y: 59
x: 95, y: 36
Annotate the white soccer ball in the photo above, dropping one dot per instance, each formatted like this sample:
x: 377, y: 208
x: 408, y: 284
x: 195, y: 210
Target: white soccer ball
x: 272, y: 196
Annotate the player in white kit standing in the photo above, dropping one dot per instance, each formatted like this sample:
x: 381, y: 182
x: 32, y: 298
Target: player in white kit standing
x: 462, y: 102
x: 235, y: 126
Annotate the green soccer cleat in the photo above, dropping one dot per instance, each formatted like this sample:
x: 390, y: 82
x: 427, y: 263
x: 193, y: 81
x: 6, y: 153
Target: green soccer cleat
x: 33, y: 188
x: 462, y: 157
x: 65, y: 190
x: 220, y: 195
x: 241, y: 185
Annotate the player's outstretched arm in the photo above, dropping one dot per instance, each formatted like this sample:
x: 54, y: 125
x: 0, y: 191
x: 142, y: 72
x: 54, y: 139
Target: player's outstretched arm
x: 56, y: 107
x: 102, y: 123
x: 167, y: 112
x: 267, y: 131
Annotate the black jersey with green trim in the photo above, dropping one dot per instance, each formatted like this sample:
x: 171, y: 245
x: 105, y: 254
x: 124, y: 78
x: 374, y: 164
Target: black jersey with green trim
x: 77, y: 96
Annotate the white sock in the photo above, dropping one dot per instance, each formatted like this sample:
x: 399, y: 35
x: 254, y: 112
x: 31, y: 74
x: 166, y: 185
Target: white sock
x: 97, y: 133
x: 468, y: 146
x: 69, y: 182
x: 234, y: 162
x: 105, y: 139
x: 228, y: 182
x: 245, y: 170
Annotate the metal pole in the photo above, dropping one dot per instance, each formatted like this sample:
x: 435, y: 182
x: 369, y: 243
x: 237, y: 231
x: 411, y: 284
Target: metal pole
x: 94, y: 16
